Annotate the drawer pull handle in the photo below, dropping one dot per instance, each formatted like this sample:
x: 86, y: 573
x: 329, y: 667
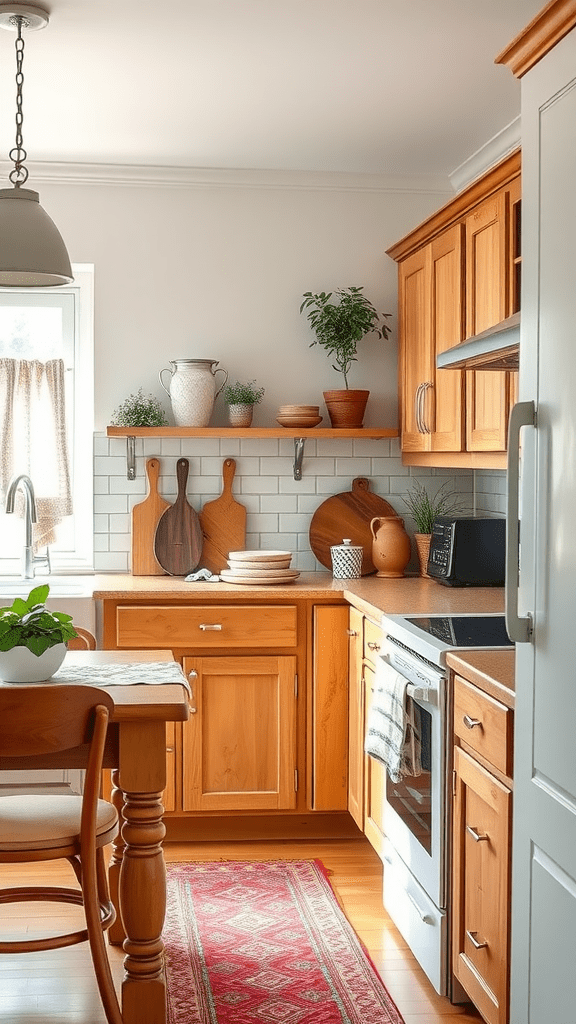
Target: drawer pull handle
x: 476, y: 836
x: 474, y: 940
x: 421, y: 913
x: 352, y: 632
x: 210, y: 625
x: 372, y: 646
x: 471, y: 723
x: 170, y: 750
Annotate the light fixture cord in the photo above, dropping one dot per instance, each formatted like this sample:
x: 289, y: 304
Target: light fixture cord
x: 19, y: 174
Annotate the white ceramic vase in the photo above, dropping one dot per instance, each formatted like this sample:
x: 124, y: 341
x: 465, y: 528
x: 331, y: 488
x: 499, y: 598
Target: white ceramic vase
x: 192, y: 390
x: 240, y: 415
x: 20, y: 665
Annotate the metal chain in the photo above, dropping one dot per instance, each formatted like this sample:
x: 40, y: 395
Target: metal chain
x: 19, y: 174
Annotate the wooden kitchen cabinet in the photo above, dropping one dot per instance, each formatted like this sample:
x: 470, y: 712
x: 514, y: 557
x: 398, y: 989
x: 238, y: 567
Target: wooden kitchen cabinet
x: 481, y: 846
x: 239, y: 744
x: 458, y: 274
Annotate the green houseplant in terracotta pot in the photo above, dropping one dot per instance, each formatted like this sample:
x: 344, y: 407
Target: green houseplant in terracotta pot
x: 241, y: 399
x: 339, y: 326
x: 32, y: 639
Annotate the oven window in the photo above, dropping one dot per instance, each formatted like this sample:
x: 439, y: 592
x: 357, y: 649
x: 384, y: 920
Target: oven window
x: 412, y: 798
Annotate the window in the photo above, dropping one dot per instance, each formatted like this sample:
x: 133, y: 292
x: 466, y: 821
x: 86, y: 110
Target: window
x: 57, y: 323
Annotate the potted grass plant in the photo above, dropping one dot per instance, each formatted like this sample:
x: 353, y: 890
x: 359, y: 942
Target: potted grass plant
x: 32, y: 638
x: 241, y: 399
x: 340, y: 320
x: 424, y: 508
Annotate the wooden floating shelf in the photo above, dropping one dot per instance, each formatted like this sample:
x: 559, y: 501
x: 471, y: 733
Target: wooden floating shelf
x: 372, y: 432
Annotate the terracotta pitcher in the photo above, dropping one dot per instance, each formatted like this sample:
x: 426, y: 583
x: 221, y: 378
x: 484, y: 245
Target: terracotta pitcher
x: 390, y: 546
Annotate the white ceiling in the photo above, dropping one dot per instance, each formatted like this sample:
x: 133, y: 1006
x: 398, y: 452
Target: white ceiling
x: 388, y: 87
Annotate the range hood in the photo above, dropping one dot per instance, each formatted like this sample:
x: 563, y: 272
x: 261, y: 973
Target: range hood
x: 498, y: 348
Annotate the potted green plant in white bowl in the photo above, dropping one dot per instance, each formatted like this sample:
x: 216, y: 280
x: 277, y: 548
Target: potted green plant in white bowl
x: 339, y: 326
x: 241, y: 399
x: 32, y: 638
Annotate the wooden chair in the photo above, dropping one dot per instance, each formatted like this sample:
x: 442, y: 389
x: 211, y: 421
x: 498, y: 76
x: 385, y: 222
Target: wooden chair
x: 37, y: 722
x: 85, y: 641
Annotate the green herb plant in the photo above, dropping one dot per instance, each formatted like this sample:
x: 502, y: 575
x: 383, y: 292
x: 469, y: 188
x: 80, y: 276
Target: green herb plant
x: 28, y: 623
x: 139, y: 410
x: 243, y: 394
x: 425, y: 509
x: 339, y: 326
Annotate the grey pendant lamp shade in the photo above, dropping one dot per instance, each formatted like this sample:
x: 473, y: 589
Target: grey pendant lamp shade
x: 32, y: 251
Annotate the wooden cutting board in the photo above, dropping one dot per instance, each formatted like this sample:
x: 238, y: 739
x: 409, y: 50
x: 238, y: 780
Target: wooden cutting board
x: 178, y: 538
x: 347, y: 515
x: 223, y: 523
x: 145, y: 518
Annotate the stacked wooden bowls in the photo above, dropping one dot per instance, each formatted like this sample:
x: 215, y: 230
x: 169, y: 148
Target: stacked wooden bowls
x: 259, y: 568
x: 299, y: 416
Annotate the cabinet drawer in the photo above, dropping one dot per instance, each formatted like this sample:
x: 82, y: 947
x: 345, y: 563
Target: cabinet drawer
x: 202, y: 626
x: 484, y: 724
x: 372, y: 640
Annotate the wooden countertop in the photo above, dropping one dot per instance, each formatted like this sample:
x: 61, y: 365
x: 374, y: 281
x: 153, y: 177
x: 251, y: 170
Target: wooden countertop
x: 491, y: 671
x: 371, y: 595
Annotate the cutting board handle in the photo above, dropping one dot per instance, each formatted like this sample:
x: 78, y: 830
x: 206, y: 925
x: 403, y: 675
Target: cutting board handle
x: 360, y: 483
x: 228, y: 470
x: 182, y: 468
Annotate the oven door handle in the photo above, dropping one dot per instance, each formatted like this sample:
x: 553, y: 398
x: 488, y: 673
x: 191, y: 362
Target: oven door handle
x: 421, y: 913
x: 418, y: 692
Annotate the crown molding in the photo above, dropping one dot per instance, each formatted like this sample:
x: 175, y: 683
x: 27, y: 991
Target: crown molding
x: 140, y: 176
x: 498, y: 147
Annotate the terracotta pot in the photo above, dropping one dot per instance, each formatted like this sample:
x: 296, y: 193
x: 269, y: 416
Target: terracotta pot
x: 391, y: 546
x: 423, y: 548
x: 346, y: 408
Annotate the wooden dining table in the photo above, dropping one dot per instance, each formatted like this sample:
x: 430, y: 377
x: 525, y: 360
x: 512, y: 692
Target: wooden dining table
x: 136, y: 753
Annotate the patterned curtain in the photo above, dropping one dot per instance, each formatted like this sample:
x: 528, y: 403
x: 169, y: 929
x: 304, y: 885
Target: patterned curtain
x: 33, y: 439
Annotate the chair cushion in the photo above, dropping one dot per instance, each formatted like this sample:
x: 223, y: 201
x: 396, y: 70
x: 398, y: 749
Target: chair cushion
x: 32, y: 822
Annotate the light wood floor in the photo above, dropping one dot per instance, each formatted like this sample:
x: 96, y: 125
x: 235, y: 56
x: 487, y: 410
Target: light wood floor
x: 57, y: 987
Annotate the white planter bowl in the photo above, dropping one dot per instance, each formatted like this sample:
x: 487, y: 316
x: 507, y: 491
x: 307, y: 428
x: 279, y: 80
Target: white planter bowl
x: 21, y: 666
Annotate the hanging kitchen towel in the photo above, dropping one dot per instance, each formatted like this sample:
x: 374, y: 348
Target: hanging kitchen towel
x: 393, y: 733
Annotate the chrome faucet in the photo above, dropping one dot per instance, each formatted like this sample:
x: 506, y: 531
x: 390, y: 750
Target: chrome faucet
x: 29, y: 559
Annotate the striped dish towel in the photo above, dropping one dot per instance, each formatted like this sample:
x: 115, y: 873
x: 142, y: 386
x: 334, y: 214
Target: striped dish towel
x: 393, y: 733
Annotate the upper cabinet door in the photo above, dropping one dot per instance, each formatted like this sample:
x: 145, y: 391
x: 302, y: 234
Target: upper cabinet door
x: 415, y: 364
x: 487, y: 303
x: 444, y: 403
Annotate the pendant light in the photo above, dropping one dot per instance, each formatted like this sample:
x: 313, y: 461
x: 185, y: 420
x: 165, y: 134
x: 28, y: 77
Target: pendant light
x: 32, y: 252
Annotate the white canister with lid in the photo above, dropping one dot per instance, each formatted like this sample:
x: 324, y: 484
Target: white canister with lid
x: 346, y: 560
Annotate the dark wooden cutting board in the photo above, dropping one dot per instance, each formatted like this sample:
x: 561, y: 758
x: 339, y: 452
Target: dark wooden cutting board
x: 145, y: 517
x: 348, y: 514
x: 223, y: 523
x: 178, y: 538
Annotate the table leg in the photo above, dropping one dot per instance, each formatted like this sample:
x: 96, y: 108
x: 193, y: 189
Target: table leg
x: 116, y: 933
x: 142, y: 877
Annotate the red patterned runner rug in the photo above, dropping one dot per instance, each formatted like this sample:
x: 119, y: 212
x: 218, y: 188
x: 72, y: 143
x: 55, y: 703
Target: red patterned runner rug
x: 265, y: 943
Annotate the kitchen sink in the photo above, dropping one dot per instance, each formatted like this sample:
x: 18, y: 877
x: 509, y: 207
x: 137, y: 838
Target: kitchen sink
x: 64, y: 586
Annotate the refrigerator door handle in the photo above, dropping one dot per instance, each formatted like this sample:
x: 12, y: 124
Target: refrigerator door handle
x: 519, y: 628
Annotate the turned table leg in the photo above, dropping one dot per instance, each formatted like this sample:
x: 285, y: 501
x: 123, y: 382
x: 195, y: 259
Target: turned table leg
x: 142, y: 875
x: 116, y: 933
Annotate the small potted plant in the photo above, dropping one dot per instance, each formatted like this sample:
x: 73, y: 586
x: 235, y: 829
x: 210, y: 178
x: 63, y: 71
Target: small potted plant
x: 32, y: 639
x: 241, y: 399
x: 339, y: 326
x: 139, y: 410
x: 425, y: 509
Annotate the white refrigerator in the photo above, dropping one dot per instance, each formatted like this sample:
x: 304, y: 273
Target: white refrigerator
x: 541, y: 570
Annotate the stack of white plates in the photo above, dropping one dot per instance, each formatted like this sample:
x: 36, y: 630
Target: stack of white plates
x: 259, y: 567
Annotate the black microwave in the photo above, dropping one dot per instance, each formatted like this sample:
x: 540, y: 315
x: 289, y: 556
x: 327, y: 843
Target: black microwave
x: 468, y: 551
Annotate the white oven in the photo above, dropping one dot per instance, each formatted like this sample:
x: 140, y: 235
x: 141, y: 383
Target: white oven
x: 416, y: 810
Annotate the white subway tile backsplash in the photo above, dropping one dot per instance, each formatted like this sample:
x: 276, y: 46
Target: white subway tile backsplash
x: 279, y: 508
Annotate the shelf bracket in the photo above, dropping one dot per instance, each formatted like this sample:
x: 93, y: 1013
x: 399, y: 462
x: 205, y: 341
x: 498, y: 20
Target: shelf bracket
x: 299, y: 443
x: 130, y: 457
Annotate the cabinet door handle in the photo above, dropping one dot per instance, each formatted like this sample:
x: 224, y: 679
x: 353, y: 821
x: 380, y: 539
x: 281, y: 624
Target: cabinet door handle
x: 352, y: 632
x: 372, y: 646
x: 418, y: 409
x: 476, y: 836
x: 474, y: 940
x: 425, y: 428
x: 209, y: 625
x: 191, y: 676
x: 471, y: 723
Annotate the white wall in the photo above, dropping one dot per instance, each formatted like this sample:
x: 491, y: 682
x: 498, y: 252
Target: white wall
x: 217, y: 271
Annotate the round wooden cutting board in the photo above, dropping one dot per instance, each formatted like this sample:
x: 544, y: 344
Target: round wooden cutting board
x: 348, y: 515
